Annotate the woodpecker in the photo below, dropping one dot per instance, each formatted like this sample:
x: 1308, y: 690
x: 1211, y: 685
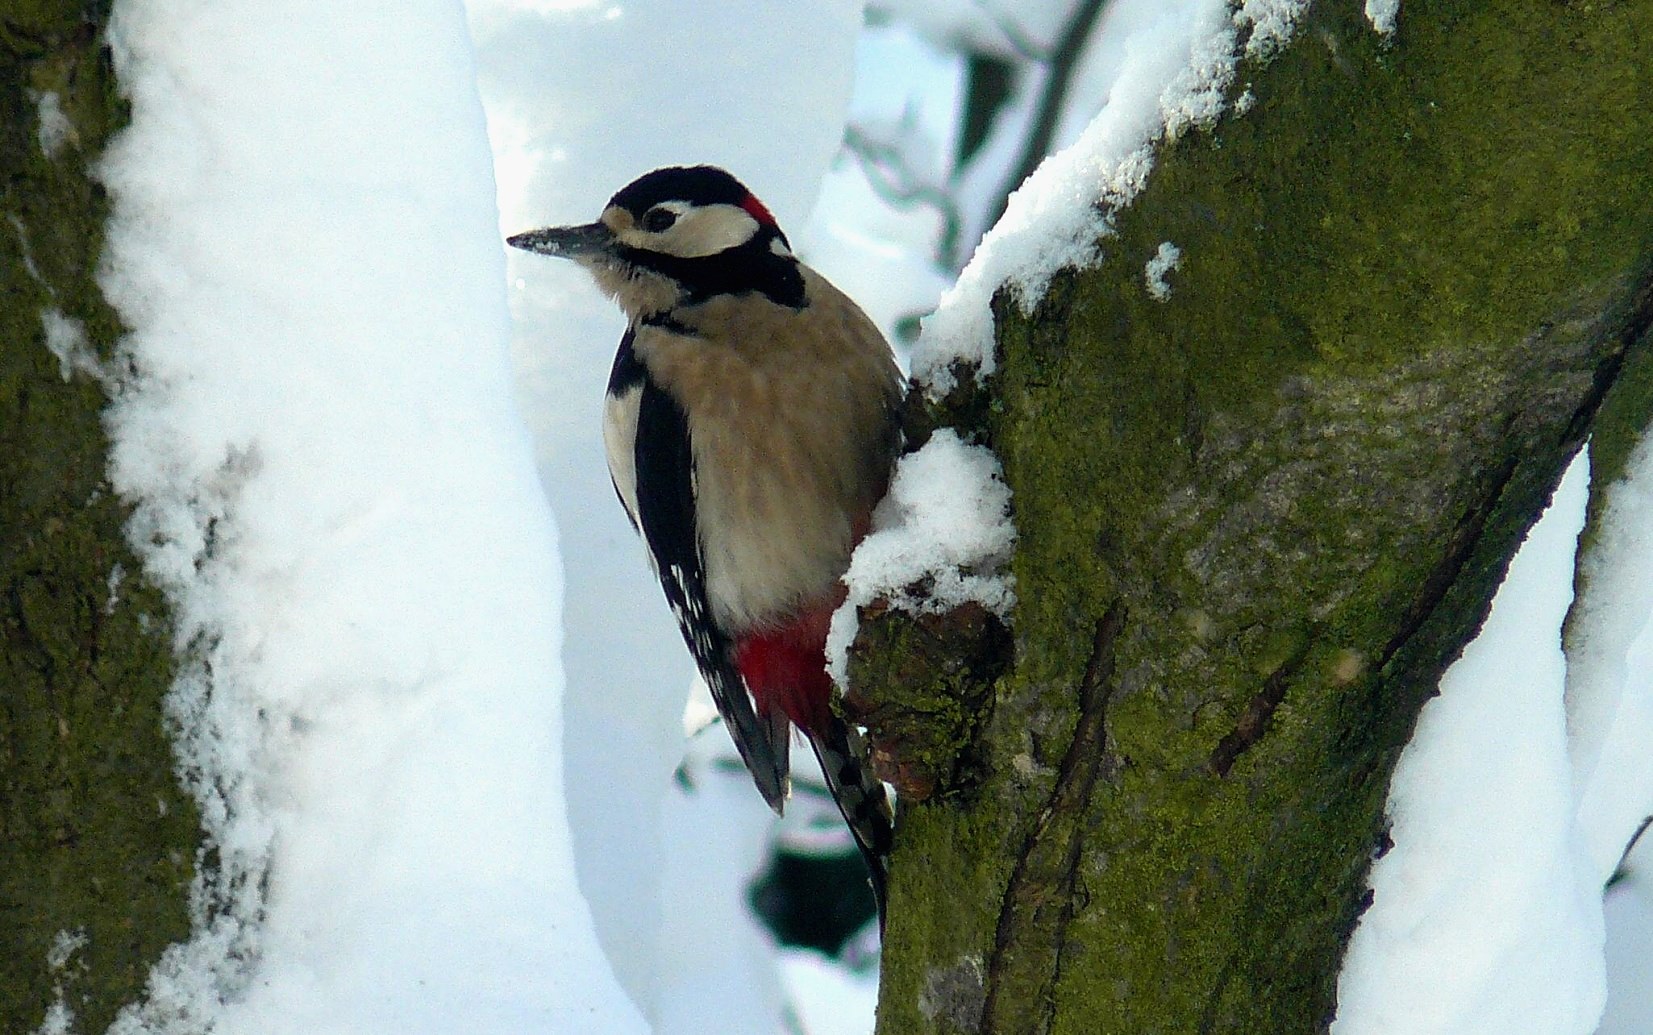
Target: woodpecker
x: 750, y: 425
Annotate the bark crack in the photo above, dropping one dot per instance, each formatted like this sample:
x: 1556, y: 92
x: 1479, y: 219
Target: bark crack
x: 1039, y: 898
x: 1465, y: 539
x: 1636, y: 323
x: 1254, y: 721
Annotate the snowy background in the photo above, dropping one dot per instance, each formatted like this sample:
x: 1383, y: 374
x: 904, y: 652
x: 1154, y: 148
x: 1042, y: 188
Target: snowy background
x: 434, y: 696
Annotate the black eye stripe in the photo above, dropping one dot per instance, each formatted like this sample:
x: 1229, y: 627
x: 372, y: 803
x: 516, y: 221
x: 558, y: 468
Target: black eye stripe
x: 657, y: 219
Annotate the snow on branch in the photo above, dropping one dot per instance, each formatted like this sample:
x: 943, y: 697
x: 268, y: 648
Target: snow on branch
x: 1178, y: 69
x: 939, y: 540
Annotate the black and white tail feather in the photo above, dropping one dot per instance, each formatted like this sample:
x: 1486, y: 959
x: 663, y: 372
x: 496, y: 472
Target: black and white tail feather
x: 860, y: 797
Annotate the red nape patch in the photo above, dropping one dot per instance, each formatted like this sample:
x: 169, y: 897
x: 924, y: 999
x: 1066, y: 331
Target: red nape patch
x: 786, y: 669
x: 756, y: 210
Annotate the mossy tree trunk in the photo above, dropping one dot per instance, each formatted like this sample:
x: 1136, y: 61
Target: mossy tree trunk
x: 1259, y: 519
x: 97, y: 841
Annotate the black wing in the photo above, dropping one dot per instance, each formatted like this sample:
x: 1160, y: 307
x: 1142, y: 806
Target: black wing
x: 666, y: 512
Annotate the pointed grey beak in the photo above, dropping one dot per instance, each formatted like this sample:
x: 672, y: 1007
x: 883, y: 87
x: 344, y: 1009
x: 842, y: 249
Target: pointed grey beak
x: 569, y: 242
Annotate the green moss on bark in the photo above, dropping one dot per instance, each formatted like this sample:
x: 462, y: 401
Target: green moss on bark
x: 97, y: 841
x: 1409, y: 275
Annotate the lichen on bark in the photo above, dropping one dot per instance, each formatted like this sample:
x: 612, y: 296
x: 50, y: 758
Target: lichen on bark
x: 1258, y: 519
x: 97, y: 839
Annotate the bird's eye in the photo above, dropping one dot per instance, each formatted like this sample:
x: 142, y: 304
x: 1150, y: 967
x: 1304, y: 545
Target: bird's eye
x: 656, y: 220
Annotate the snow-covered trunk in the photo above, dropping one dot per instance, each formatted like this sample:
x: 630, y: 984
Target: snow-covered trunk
x: 1610, y: 630
x: 1263, y: 498
x: 314, y: 419
x: 98, y: 841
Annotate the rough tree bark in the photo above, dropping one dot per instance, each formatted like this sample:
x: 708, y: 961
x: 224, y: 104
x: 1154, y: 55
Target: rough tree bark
x: 1259, y: 519
x: 97, y: 841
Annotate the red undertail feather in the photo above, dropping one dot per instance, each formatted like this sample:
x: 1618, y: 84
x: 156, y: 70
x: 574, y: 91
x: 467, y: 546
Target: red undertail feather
x: 785, y: 668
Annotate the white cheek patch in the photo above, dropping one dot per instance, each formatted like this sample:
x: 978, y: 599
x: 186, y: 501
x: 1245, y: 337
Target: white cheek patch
x: 698, y: 232
x: 716, y: 228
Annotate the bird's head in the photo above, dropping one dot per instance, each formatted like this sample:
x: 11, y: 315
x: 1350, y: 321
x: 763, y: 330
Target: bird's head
x: 678, y: 236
